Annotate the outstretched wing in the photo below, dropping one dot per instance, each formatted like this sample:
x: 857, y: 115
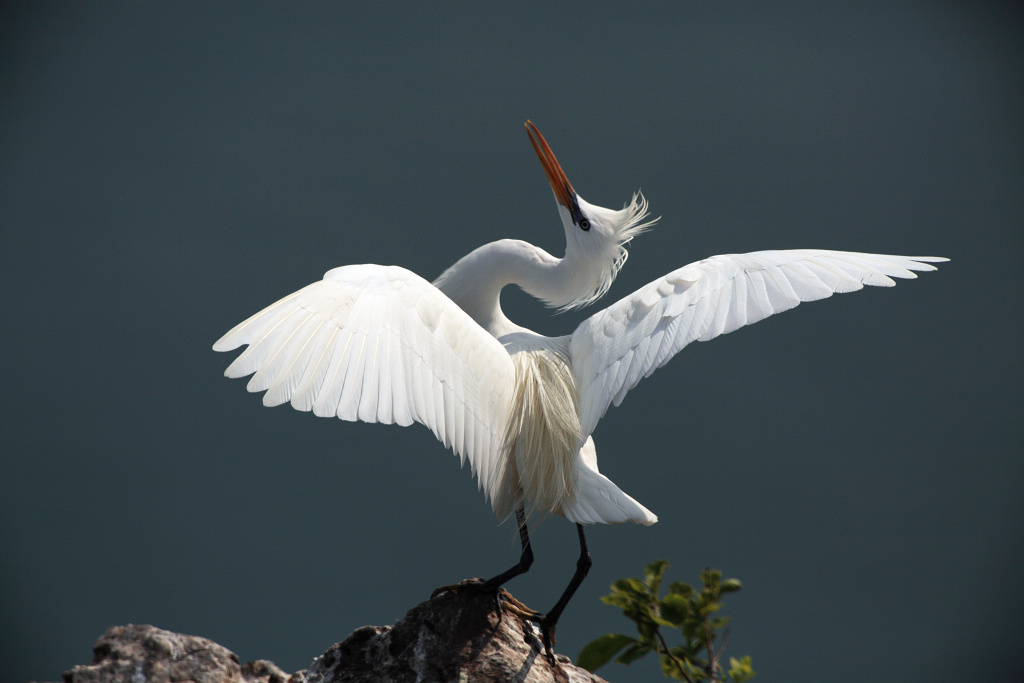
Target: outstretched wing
x: 614, y: 349
x: 381, y: 344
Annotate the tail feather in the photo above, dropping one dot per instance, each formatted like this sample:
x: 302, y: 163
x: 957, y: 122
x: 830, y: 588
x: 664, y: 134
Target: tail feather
x: 598, y: 500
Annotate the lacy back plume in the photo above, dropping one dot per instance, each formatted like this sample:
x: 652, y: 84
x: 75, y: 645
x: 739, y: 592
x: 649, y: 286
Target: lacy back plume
x: 543, y: 436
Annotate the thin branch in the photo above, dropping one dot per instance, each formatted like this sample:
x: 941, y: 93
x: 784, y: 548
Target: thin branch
x: 712, y: 659
x: 721, y: 650
x: 679, y: 665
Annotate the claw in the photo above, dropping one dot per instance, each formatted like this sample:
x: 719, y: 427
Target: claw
x: 547, y: 633
x: 512, y: 605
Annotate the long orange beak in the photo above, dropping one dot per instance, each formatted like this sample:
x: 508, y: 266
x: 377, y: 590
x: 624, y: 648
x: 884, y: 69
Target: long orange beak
x: 556, y: 176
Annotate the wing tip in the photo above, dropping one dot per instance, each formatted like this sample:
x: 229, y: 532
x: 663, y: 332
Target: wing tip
x: 225, y: 344
x: 924, y: 263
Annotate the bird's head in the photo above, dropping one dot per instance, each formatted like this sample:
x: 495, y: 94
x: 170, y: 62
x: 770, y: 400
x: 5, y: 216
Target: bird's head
x: 595, y: 237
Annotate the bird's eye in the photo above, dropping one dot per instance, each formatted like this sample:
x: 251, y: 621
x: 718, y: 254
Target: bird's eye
x: 584, y: 224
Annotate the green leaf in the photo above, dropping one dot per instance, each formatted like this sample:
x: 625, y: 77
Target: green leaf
x: 617, y: 599
x: 640, y: 612
x: 633, y: 653
x: 647, y: 630
x: 680, y: 588
x: 710, y: 577
x: 718, y: 623
x: 661, y: 621
x: 710, y: 608
x: 731, y: 585
x: 690, y: 629
x: 653, y: 573
x: 632, y: 587
x: 674, y: 608
x: 740, y: 670
x: 687, y: 653
x: 597, y: 652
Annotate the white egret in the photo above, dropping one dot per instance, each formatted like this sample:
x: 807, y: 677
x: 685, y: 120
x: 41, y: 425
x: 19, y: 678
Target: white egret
x: 381, y: 344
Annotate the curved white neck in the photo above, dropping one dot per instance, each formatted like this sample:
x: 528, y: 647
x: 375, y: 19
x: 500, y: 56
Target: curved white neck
x: 476, y: 280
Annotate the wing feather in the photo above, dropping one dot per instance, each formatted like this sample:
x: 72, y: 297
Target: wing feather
x: 353, y: 367
x: 281, y: 353
x: 294, y: 369
x: 614, y: 349
x: 380, y: 344
x: 328, y: 397
x: 311, y: 381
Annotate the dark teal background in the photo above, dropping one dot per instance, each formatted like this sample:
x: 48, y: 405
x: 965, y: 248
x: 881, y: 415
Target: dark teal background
x: 167, y: 169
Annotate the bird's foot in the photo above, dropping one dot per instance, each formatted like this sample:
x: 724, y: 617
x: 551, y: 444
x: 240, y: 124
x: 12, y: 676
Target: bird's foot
x: 547, y: 632
x: 503, y: 600
x: 510, y: 604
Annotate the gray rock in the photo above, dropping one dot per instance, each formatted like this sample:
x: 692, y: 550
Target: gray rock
x: 146, y: 654
x: 457, y: 636
x: 453, y: 637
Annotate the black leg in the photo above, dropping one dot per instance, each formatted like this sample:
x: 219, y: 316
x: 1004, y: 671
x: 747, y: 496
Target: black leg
x: 525, y: 560
x: 549, y: 620
x: 493, y: 585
